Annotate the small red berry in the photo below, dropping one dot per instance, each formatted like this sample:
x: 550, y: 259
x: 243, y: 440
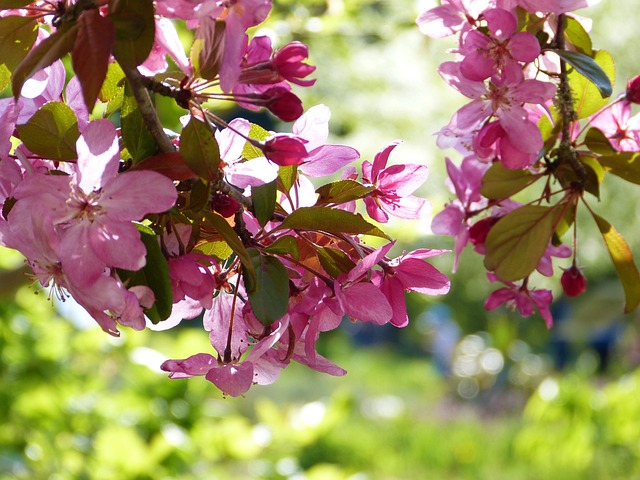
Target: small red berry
x: 573, y: 281
x: 633, y: 90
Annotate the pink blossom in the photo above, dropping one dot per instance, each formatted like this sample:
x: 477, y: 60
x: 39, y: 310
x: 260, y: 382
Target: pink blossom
x: 192, y: 277
x: 410, y: 272
x: 622, y: 130
x: 484, y: 55
x: 523, y: 299
x: 393, y: 187
x: 503, y: 98
x: 94, y: 207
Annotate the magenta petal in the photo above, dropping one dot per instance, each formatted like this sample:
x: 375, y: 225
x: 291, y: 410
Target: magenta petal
x: 440, y: 21
x: 381, y: 158
x: 233, y: 380
x: 328, y: 159
x: 498, y: 297
x: 422, y: 277
x: 449, y: 221
x: 477, y: 66
x: 117, y: 244
x: 402, y: 179
x: 198, y: 364
x: 523, y: 134
x: 394, y: 292
x: 502, y: 24
x: 132, y: 195
x: 365, y: 302
x: 79, y: 261
x: 98, y: 155
x: 524, y: 47
x: 409, y: 208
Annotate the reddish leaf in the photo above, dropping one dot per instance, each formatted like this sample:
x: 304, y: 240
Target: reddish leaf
x: 171, y: 165
x: 91, y: 52
x: 44, y: 54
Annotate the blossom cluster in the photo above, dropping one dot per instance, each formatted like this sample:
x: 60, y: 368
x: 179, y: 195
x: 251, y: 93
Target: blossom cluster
x: 149, y: 228
x: 537, y: 113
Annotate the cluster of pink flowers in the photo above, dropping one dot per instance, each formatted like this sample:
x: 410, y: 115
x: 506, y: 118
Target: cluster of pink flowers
x: 222, y: 221
x: 512, y: 77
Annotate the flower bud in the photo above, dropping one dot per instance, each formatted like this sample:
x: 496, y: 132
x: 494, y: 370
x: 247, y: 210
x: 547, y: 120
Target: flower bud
x: 479, y: 230
x: 573, y: 281
x: 633, y: 90
x: 285, y: 149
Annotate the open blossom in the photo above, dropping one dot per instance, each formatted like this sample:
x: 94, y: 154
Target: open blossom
x: 523, y: 299
x: 93, y: 208
x: 503, y: 98
x: 393, y: 187
x: 622, y: 129
x: 485, y: 55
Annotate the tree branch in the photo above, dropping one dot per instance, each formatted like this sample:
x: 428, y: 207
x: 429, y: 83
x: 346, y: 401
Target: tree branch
x: 148, y: 111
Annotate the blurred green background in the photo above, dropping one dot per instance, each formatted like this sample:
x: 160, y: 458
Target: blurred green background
x: 459, y: 394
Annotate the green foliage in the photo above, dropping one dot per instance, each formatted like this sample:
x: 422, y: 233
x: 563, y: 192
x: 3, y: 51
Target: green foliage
x: 139, y: 142
x: 52, y: 132
x: 270, y: 298
x: 575, y: 430
x: 200, y: 150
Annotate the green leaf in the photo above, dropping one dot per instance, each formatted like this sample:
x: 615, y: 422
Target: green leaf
x: 285, y: 245
x: 625, y: 165
x: 264, y: 201
x: 51, y: 132
x: 588, y: 96
x: 218, y: 249
x: 500, y: 182
x: 589, y: 68
x: 518, y: 240
x: 112, y: 91
x: 17, y: 36
x: 623, y: 261
x: 595, y: 175
x: 199, y: 196
x: 341, y: 192
x: 330, y: 220
x: 135, y: 30
x: 52, y: 48
x: 288, y: 176
x: 335, y: 262
x: 234, y: 242
x: 256, y: 132
x: 597, y: 142
x: 200, y: 150
x: 270, y: 298
x: 155, y: 275
x: 578, y: 37
x: 91, y: 53
x: 136, y: 136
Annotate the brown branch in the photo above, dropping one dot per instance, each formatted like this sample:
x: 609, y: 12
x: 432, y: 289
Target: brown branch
x: 148, y: 111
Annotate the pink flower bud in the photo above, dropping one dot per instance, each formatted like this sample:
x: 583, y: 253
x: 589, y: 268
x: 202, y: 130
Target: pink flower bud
x: 285, y: 149
x: 283, y: 104
x: 633, y: 89
x: 573, y: 281
x: 479, y: 230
